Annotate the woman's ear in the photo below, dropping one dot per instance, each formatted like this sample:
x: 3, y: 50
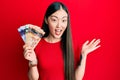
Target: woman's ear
x: 46, y: 21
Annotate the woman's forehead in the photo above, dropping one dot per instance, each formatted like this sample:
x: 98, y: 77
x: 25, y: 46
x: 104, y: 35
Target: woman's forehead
x: 60, y: 14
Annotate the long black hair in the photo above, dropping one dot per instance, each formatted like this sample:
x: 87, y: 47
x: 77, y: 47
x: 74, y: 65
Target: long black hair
x: 66, y: 44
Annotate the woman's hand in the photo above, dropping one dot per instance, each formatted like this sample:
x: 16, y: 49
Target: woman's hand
x: 29, y: 54
x: 90, y: 46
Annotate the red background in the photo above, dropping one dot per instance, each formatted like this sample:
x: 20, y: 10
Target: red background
x: 89, y: 19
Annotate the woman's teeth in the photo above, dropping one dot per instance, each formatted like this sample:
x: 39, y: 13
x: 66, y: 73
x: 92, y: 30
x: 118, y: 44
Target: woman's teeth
x: 58, y: 32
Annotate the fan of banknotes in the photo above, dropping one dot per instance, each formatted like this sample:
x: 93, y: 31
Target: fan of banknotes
x: 29, y: 35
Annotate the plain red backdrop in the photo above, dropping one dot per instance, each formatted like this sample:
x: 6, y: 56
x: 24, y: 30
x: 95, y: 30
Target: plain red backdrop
x: 89, y: 19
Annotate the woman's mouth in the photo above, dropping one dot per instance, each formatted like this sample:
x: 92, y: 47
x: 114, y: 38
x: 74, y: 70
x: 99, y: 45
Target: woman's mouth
x: 58, y: 31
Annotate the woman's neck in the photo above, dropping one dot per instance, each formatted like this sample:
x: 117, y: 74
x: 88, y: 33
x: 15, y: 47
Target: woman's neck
x: 51, y: 39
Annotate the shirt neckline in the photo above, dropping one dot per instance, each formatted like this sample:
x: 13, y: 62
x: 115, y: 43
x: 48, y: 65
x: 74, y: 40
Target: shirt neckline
x: 51, y: 43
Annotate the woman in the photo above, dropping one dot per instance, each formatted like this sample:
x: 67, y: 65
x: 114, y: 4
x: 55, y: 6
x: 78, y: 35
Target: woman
x: 53, y: 57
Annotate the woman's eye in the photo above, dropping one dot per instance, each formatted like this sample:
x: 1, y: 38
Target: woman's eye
x: 64, y: 20
x: 54, y: 20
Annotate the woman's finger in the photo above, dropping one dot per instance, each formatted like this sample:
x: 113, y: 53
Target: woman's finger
x: 86, y: 43
x: 27, y: 52
x: 38, y: 29
x: 28, y: 57
x: 96, y: 42
x: 24, y: 46
x: 96, y: 47
x: 27, y: 47
x: 92, y: 41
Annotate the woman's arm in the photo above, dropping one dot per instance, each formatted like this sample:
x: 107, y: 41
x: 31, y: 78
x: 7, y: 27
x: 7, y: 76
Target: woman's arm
x: 86, y: 49
x: 33, y: 73
x: 30, y: 55
x: 79, y: 73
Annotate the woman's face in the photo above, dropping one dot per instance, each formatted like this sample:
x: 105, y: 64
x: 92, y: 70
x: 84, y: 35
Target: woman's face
x: 57, y: 23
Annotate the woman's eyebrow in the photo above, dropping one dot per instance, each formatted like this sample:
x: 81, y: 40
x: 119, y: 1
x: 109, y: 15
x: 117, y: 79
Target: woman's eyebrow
x: 57, y: 17
x: 54, y: 16
x: 64, y: 17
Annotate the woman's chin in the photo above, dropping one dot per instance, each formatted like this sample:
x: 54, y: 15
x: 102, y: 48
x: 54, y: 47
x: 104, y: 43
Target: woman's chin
x: 57, y: 36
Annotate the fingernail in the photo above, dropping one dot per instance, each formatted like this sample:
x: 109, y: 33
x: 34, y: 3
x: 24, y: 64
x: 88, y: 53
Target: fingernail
x: 98, y: 39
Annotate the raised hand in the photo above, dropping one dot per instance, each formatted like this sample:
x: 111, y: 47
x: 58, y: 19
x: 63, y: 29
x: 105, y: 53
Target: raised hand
x: 90, y: 46
x: 31, y: 42
x: 29, y: 54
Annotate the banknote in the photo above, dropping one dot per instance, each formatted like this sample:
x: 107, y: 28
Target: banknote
x: 29, y: 35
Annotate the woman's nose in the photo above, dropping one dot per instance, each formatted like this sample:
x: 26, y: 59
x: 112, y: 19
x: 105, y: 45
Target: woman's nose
x: 59, y: 24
